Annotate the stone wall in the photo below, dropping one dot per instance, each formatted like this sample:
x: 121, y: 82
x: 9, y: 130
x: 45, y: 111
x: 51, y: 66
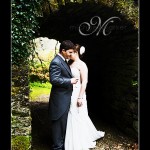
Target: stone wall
x: 20, y: 109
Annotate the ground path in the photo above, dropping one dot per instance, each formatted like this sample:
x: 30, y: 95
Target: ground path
x: 113, y: 140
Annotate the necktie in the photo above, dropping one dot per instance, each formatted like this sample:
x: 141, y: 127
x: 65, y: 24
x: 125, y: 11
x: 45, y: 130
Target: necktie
x: 67, y: 64
x: 66, y: 61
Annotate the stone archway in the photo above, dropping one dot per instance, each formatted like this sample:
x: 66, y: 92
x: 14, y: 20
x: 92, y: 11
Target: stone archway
x: 112, y: 60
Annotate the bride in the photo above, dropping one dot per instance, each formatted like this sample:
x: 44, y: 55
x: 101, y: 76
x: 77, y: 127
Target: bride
x: 81, y: 133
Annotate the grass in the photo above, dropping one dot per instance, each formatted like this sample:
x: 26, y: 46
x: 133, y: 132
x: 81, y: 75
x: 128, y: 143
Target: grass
x: 37, y: 91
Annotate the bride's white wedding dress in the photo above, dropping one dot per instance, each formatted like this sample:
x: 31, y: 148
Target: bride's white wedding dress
x: 81, y: 133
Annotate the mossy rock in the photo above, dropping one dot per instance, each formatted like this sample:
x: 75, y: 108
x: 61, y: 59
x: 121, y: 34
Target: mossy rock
x: 21, y: 143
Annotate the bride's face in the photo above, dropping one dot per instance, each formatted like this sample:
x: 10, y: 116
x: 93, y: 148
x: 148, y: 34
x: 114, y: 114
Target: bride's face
x: 73, y: 56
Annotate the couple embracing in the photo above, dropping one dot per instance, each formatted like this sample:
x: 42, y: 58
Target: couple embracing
x: 71, y: 127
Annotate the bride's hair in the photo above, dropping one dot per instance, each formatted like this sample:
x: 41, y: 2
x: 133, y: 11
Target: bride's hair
x: 80, y: 49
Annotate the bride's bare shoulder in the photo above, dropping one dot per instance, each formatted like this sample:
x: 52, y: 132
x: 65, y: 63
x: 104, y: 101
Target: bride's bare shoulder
x: 83, y: 64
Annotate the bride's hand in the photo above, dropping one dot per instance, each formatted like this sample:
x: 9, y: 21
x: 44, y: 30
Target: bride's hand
x: 79, y: 102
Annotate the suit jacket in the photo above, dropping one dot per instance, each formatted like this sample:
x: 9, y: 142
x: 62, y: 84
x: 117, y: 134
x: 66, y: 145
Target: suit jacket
x: 60, y: 96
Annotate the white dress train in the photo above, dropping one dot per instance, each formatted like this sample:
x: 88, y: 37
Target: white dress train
x: 81, y: 133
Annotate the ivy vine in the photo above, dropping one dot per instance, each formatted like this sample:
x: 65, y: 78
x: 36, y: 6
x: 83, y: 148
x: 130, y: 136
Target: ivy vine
x: 24, y: 25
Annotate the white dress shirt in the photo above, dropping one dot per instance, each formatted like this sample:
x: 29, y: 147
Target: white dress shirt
x: 61, y: 56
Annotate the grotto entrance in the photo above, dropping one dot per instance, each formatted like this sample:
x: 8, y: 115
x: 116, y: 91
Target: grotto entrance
x: 112, y: 59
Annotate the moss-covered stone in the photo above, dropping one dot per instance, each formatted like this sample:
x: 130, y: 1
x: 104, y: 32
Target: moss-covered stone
x: 21, y: 143
x: 20, y: 115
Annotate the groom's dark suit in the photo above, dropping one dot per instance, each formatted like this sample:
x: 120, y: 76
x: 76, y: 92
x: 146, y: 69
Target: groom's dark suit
x: 60, y: 98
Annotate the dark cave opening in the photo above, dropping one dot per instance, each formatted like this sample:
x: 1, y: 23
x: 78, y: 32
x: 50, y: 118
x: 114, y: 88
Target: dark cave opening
x: 112, y: 59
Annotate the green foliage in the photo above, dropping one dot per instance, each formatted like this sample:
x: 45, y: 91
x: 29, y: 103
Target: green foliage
x: 38, y: 91
x: 129, y: 9
x: 39, y: 72
x: 39, y: 84
x: 39, y: 69
x: 125, y: 7
x: 20, y: 142
x: 24, y: 25
x: 38, y: 88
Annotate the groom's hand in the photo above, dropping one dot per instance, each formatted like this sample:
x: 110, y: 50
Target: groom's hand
x: 74, y: 80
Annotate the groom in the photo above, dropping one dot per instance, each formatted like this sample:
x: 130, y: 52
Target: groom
x: 60, y: 97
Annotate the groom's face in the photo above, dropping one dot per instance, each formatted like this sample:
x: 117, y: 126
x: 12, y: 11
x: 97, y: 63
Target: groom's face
x: 67, y: 54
